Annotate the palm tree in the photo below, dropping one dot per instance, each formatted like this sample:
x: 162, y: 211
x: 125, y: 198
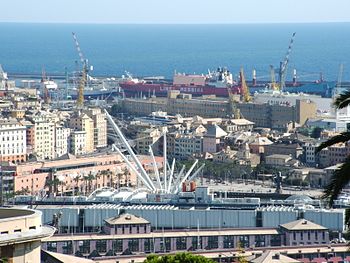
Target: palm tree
x: 341, y: 176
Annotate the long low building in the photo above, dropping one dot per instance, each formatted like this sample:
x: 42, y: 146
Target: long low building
x: 276, y: 116
x: 89, y: 217
x: 129, y: 234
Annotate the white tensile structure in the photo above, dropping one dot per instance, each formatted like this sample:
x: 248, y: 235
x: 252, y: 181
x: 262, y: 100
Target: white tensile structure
x: 171, y: 182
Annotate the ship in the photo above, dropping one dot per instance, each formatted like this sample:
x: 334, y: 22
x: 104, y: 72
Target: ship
x: 213, y: 83
x: 216, y: 83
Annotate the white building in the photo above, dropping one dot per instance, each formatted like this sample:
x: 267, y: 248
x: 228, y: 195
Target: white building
x: 62, y: 140
x: 44, y: 126
x: 78, y: 142
x: 13, y: 142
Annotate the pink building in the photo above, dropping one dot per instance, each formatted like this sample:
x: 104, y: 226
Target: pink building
x: 72, y: 174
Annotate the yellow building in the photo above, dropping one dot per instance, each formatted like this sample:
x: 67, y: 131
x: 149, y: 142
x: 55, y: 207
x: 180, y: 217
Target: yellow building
x: 82, y: 122
x: 100, y: 126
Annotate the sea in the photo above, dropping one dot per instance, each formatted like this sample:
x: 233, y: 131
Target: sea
x: 160, y: 50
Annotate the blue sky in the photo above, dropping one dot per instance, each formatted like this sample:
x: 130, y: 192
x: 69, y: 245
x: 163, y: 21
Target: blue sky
x: 175, y: 11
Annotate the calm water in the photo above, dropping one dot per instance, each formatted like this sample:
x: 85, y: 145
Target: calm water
x: 161, y: 49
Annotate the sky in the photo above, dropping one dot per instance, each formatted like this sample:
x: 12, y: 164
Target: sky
x: 175, y: 11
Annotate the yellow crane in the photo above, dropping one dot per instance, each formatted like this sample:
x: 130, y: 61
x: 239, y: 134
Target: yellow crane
x: 244, y: 88
x: 233, y: 105
x: 83, y: 79
x: 274, y: 85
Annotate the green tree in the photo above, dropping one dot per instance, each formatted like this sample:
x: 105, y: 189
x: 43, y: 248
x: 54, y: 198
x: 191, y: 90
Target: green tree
x: 341, y: 177
x: 177, y: 258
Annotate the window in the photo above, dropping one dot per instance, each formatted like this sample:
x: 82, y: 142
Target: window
x: 259, y: 241
x: 67, y: 247
x: 197, y: 242
x: 213, y: 242
x: 316, y: 235
x: 84, y: 246
x: 244, y: 241
x: 229, y: 242
x: 101, y: 246
x: 133, y: 245
x: 323, y: 235
x: 301, y: 235
x: 181, y: 243
x: 117, y: 245
x: 149, y: 245
x: 52, y: 246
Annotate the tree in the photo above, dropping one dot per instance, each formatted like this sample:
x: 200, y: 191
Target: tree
x: 341, y: 177
x: 316, y: 132
x: 179, y: 257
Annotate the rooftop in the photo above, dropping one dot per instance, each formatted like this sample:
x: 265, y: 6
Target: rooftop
x: 302, y: 224
x: 126, y: 219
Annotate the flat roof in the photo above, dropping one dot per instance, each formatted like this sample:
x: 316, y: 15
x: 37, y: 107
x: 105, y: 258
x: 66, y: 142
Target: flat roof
x: 161, y: 234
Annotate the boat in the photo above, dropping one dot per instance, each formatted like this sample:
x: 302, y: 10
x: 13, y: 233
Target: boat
x: 215, y: 83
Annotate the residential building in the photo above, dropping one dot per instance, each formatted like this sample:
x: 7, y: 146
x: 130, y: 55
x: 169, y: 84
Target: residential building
x: 62, y: 140
x: 13, y: 142
x: 82, y: 122
x: 212, y: 138
x: 44, y: 139
x: 78, y: 142
x: 146, y: 138
x: 187, y: 146
x: 278, y: 159
x: 100, y: 126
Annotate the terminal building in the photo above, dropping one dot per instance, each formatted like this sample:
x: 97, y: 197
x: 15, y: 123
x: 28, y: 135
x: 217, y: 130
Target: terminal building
x: 129, y: 234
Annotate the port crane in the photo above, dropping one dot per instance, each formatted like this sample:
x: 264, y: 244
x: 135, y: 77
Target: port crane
x: 284, y: 64
x: 274, y: 85
x: 244, y: 87
x: 83, y: 79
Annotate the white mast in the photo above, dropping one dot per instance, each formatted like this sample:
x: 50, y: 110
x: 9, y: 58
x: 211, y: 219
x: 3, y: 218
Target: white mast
x: 165, y: 168
x: 171, y: 174
x: 130, y: 151
x: 132, y: 167
x: 155, y: 168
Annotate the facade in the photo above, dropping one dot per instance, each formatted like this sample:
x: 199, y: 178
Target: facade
x: 76, y: 173
x: 128, y: 234
x: 13, y: 143
x: 62, y: 140
x: 276, y: 116
x: 78, y: 142
x: 304, y: 232
x: 278, y: 159
x: 212, y: 138
x: 44, y: 139
x: 82, y: 122
x: 100, y: 126
x: 21, y: 233
x: 187, y: 145
x: 146, y: 138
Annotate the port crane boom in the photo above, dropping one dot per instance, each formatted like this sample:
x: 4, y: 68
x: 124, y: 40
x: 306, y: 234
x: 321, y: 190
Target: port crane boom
x: 82, y: 82
x: 284, y: 64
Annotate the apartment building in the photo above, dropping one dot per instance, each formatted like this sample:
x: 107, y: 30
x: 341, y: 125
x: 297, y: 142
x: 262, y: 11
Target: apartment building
x: 62, y: 140
x: 44, y: 137
x: 100, y: 126
x: 13, y: 143
x: 82, y: 122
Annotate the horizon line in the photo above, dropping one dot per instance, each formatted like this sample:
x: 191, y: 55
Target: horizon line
x: 173, y: 23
